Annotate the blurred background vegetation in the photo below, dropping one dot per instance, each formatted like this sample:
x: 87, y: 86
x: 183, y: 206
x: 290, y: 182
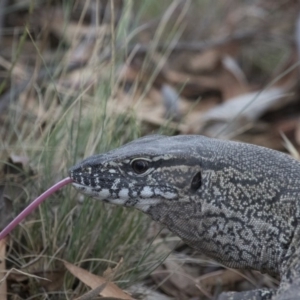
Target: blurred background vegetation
x: 83, y: 77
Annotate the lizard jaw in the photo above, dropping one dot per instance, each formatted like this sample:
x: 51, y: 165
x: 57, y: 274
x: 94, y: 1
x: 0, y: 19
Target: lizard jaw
x: 118, y: 198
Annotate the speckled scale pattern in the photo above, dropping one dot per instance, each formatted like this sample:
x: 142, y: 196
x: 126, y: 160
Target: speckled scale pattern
x: 244, y: 215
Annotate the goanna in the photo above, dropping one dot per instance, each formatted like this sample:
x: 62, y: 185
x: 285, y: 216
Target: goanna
x: 237, y: 203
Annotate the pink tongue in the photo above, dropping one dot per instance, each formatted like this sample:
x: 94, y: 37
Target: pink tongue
x: 32, y: 206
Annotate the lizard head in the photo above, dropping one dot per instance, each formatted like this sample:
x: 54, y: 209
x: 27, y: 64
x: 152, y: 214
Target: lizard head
x: 140, y: 174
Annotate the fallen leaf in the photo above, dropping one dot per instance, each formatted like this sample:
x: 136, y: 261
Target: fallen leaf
x: 222, y: 277
x: 205, y: 62
x: 171, y: 102
x: 233, y: 114
x: 94, y: 281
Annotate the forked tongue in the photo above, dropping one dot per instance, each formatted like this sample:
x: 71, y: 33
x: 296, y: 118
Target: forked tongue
x: 33, y: 205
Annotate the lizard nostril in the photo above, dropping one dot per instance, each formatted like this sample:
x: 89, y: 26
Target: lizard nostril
x: 196, y: 182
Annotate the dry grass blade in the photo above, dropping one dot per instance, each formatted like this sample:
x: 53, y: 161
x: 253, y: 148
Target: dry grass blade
x: 3, y: 285
x: 21, y: 272
x: 290, y: 147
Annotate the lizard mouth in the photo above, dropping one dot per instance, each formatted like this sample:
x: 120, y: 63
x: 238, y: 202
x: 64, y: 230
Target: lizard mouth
x: 98, y: 193
x: 79, y: 186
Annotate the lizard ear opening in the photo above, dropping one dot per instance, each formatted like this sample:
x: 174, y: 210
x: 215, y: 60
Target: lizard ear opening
x: 196, y: 182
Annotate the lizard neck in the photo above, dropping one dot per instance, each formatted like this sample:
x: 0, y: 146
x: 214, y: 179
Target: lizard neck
x: 231, y: 242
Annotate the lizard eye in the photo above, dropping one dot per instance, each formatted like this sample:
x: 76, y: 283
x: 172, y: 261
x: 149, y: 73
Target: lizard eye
x: 140, y: 166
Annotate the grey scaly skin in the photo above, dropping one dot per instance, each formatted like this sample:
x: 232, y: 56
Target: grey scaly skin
x: 237, y: 203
